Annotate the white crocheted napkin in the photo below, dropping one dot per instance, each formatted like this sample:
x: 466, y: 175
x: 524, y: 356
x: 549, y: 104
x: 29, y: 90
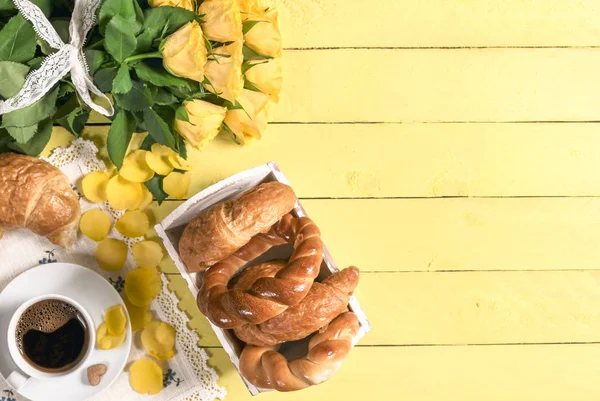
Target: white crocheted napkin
x: 187, y: 375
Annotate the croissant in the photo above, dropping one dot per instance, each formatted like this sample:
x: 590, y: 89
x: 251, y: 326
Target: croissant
x: 266, y: 368
x: 37, y: 196
x: 324, y: 302
x: 224, y: 228
x: 267, y: 297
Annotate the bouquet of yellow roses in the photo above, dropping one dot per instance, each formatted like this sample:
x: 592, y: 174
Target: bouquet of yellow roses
x: 181, y: 70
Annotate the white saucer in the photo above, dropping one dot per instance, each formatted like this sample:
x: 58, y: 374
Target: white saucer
x: 96, y: 295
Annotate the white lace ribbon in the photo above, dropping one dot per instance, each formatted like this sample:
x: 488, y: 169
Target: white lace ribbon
x: 68, y: 58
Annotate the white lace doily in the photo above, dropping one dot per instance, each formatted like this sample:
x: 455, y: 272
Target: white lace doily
x: 187, y: 375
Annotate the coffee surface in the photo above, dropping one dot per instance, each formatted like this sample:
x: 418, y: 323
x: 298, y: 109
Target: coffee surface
x: 52, y: 335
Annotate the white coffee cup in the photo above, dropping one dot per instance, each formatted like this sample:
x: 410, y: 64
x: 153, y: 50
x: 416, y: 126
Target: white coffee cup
x: 17, y: 379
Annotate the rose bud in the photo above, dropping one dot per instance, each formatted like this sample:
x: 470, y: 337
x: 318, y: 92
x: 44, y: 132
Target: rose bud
x: 266, y: 76
x: 251, y: 122
x: 187, y: 4
x: 223, y: 71
x: 222, y: 20
x: 184, y: 52
x: 264, y: 37
x: 205, y: 122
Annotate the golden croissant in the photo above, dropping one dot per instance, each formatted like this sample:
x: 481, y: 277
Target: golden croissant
x: 37, y: 196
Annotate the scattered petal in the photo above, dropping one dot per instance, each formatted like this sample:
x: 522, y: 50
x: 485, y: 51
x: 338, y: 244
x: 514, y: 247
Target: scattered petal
x: 133, y: 224
x: 139, y: 316
x: 158, y: 339
x: 147, y: 253
x: 95, y: 224
x: 116, y: 320
x: 123, y: 194
x: 94, y: 186
x: 158, y: 159
x: 176, y: 185
x: 142, y: 285
x: 135, y: 168
x: 146, y: 377
x: 111, y: 254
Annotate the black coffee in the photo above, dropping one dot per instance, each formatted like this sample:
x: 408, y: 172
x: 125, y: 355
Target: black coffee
x: 52, y: 336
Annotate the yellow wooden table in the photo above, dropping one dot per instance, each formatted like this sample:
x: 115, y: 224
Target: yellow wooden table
x: 451, y: 150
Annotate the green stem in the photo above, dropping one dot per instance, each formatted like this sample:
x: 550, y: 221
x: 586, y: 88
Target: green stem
x: 142, y: 57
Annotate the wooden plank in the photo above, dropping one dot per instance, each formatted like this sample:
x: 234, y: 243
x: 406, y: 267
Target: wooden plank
x: 439, y: 23
x: 491, y: 373
x: 411, y: 160
x: 439, y: 85
x: 396, y: 85
x: 457, y: 234
x: 465, y: 308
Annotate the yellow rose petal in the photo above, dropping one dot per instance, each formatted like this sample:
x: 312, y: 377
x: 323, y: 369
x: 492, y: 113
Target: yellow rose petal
x: 94, y: 186
x: 116, y: 320
x: 139, y: 316
x: 146, y: 377
x: 95, y: 224
x: 123, y: 194
x: 158, y: 339
x: 106, y: 341
x: 135, y: 168
x: 133, y: 223
x: 158, y: 159
x: 147, y: 198
x: 180, y: 163
x: 176, y: 185
x: 147, y: 253
x: 111, y: 254
x: 142, y: 285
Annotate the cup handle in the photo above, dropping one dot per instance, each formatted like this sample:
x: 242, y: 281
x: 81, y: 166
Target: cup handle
x: 16, y: 380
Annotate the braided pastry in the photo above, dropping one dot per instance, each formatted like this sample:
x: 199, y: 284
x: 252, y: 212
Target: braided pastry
x: 324, y: 302
x: 267, y: 297
x: 266, y: 368
x: 227, y: 226
x: 37, y: 196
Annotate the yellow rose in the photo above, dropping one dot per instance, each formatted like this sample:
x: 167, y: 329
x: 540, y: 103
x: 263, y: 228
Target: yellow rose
x: 248, y: 8
x: 187, y: 4
x: 224, y: 71
x: 264, y: 37
x: 184, y: 52
x: 251, y: 122
x: 267, y: 76
x: 222, y: 20
x: 205, y: 122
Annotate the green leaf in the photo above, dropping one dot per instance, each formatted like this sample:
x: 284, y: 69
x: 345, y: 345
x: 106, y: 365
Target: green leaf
x: 37, y: 144
x: 137, y: 99
x: 250, y: 86
x: 154, y: 72
x: 111, y: 8
x: 147, y: 143
x: 94, y: 59
x: 165, y: 98
x: 12, y: 78
x: 23, y: 134
x: 17, y: 40
x: 35, y: 63
x: 181, y: 148
x: 120, y: 39
x: 65, y: 89
x: 158, y: 128
x: 119, y: 137
x: 75, y: 121
x: 104, y: 79
x: 139, y: 16
x: 247, y: 25
x: 5, y: 141
x: 122, y: 83
x: 250, y: 54
x: 33, y: 114
x: 7, y: 5
x: 182, y: 114
x: 165, y: 20
x: 144, y: 42
x: 155, y: 187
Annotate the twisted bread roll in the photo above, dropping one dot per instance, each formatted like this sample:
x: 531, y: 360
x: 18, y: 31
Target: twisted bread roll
x: 324, y: 302
x: 36, y: 195
x: 227, y: 226
x: 266, y: 368
x: 268, y: 296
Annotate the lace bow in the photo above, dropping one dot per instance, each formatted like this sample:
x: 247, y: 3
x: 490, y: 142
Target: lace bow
x: 68, y: 58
